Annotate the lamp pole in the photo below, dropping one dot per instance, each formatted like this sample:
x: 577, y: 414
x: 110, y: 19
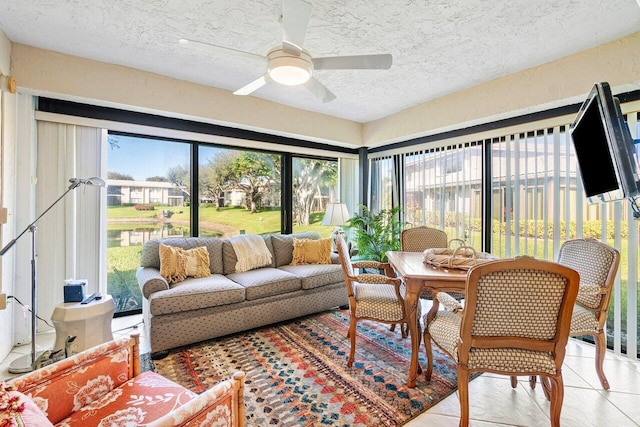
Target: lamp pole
x: 26, y: 363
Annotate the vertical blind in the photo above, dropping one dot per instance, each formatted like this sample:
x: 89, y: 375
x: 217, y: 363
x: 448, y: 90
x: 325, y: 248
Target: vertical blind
x: 536, y: 203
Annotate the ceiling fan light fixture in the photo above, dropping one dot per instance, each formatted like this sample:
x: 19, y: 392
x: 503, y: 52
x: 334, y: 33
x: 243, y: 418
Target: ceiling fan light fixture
x: 289, y: 69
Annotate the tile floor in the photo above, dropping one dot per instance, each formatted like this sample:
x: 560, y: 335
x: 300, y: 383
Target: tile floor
x: 492, y: 400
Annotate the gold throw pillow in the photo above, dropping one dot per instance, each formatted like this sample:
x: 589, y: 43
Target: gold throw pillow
x: 176, y: 264
x: 308, y: 251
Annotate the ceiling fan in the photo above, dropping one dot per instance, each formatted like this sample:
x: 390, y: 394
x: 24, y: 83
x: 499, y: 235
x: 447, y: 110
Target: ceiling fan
x: 290, y: 64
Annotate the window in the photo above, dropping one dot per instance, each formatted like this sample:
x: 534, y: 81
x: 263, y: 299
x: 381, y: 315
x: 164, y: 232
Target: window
x: 536, y: 203
x: 239, y: 191
x: 141, y: 172
x: 315, y: 184
x: 442, y: 189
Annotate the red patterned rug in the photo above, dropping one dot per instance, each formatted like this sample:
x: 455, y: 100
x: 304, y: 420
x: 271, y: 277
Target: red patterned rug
x: 297, y: 374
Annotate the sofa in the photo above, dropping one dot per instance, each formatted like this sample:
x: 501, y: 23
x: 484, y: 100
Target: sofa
x: 103, y: 386
x: 228, y: 301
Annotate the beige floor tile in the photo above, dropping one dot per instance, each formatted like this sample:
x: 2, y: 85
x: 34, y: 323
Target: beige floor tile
x: 622, y: 375
x: 585, y: 408
x: 628, y: 403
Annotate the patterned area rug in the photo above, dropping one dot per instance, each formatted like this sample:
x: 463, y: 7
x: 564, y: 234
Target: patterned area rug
x: 297, y: 375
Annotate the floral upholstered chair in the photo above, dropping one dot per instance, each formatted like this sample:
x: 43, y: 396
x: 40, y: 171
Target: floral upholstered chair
x: 515, y: 322
x: 371, y: 296
x: 103, y: 386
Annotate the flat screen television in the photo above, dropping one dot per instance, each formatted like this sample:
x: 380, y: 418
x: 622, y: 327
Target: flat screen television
x: 604, y: 148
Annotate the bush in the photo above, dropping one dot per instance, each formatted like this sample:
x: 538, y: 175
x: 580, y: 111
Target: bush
x: 144, y: 207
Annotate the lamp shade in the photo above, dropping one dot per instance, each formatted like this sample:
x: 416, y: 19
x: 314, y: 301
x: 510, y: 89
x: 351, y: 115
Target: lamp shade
x: 336, y: 214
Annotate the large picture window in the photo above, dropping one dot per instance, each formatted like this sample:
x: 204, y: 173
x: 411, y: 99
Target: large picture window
x: 148, y: 197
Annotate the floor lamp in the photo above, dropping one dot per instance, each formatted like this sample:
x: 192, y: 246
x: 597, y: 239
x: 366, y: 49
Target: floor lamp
x: 26, y: 363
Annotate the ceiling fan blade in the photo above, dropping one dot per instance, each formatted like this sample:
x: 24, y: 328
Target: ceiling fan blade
x: 219, y: 49
x: 357, y: 62
x: 319, y: 90
x: 253, y: 86
x: 295, y: 20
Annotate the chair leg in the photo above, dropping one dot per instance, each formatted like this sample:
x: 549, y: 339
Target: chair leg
x: 532, y: 381
x: 463, y: 393
x: 601, y: 350
x: 514, y: 381
x: 546, y: 387
x: 404, y: 329
x: 352, y: 334
x: 557, y: 396
x: 429, y: 351
x: 393, y: 327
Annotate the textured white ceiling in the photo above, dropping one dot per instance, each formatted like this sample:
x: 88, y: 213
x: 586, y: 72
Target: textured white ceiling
x: 438, y: 46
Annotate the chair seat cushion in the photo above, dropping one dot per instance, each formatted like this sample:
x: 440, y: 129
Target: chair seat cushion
x: 445, y: 332
x: 139, y: 401
x: 378, y: 302
x: 583, y: 322
x: 516, y: 360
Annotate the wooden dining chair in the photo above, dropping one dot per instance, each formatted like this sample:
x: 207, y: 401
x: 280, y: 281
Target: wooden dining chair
x: 597, y: 263
x: 418, y: 239
x: 515, y: 321
x: 377, y: 297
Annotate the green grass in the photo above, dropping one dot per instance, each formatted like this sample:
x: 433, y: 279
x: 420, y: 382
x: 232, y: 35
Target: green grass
x: 123, y: 261
x: 121, y: 276
x: 264, y: 222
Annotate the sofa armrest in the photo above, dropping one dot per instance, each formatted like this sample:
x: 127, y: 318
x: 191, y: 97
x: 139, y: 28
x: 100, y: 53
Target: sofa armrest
x: 223, y: 404
x: 150, y: 281
x: 54, y: 387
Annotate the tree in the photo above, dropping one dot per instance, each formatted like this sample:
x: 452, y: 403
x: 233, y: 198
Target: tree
x: 309, y: 176
x: 216, y: 176
x: 156, y: 179
x: 256, y: 174
x: 180, y: 176
x: 118, y: 175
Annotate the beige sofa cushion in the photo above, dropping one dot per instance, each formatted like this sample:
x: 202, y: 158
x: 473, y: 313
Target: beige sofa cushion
x: 266, y: 282
x: 316, y: 275
x: 150, y: 256
x: 196, y: 293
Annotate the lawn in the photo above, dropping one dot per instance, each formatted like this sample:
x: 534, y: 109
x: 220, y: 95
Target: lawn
x: 124, y: 260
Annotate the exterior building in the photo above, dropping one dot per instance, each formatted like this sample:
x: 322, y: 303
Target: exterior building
x: 126, y: 192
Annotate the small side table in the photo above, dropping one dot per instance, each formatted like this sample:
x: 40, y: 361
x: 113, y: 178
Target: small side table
x: 90, y: 323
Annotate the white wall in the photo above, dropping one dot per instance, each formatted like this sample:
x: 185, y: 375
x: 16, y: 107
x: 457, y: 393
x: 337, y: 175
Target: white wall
x: 7, y: 193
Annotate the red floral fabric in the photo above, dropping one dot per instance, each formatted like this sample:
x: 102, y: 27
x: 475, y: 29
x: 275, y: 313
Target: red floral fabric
x: 137, y: 402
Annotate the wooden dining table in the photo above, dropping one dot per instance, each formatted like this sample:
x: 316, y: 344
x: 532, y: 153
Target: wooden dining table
x: 417, y: 277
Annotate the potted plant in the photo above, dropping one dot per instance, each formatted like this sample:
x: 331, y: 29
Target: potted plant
x: 375, y: 233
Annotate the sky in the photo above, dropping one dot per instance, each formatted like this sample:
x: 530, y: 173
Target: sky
x: 142, y: 158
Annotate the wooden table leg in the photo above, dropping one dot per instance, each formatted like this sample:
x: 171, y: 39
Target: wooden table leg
x: 411, y: 306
